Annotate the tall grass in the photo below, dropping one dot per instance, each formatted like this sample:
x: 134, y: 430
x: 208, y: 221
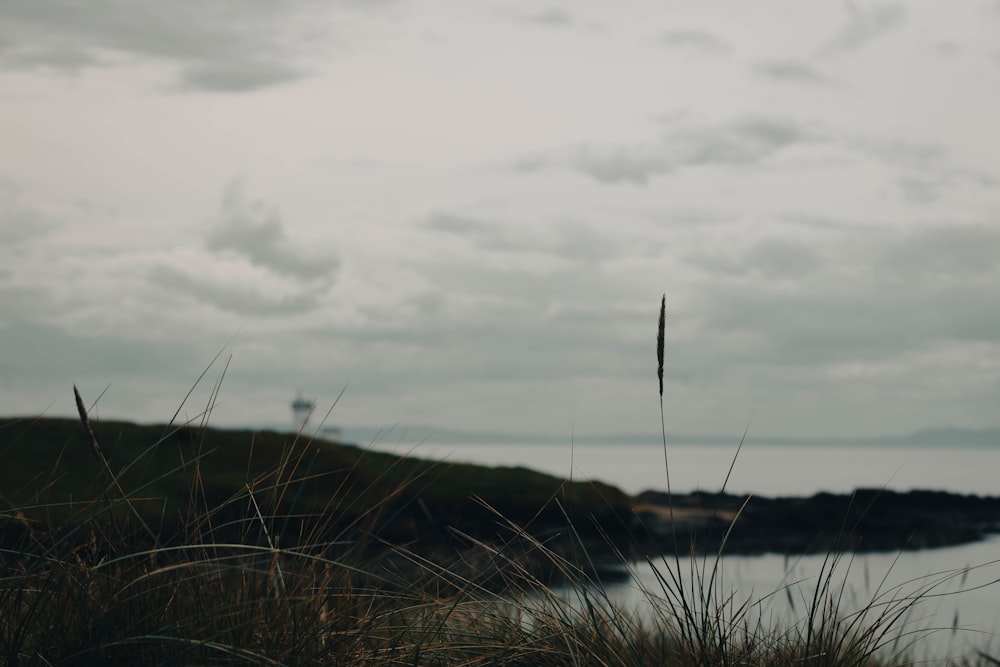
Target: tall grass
x: 244, y: 580
x: 715, y: 627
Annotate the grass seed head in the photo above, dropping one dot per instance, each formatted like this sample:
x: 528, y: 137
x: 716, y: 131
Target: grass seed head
x: 659, y: 342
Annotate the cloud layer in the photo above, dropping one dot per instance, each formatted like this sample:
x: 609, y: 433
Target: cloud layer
x: 218, y: 45
x: 467, y: 217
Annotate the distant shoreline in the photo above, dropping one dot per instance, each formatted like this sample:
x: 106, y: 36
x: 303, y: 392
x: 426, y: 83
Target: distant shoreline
x: 421, y: 433
x: 867, y: 520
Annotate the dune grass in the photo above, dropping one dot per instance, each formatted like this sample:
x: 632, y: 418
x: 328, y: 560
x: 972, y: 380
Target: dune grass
x: 301, y: 553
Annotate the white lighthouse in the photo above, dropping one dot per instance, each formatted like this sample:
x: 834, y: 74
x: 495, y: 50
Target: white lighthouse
x: 302, y: 410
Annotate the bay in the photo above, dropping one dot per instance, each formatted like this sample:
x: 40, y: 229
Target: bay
x: 762, y: 469
x: 947, y: 598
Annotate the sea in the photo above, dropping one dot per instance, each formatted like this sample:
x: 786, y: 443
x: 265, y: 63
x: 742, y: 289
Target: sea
x: 956, y: 590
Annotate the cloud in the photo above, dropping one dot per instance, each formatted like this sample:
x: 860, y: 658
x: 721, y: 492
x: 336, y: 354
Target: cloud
x: 219, y: 44
x: 921, y: 169
x: 489, y: 235
x: 924, y: 170
x: 865, y: 25
x: 906, y: 153
x: 945, y: 253
x: 237, y: 76
x: 803, y: 328
x: 30, y: 301
x: 920, y: 189
x: 46, y: 351
x: 790, y: 71
x: 552, y: 17
x: 836, y: 298
x: 692, y: 40
x: 776, y: 259
x: 628, y: 164
x: 256, y: 268
x: 562, y: 241
x: 254, y: 231
x: 20, y: 220
x: 243, y: 298
x: 742, y: 141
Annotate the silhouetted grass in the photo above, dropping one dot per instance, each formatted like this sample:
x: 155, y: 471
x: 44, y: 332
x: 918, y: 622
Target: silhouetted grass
x: 130, y: 545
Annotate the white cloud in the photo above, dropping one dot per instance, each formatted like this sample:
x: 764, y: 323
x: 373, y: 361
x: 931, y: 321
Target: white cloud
x: 255, y: 231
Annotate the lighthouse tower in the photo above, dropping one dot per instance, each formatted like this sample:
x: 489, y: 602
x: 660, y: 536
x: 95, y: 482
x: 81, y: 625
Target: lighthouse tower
x: 302, y: 409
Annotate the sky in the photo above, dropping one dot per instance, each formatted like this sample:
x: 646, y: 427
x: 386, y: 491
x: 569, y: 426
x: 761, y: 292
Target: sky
x: 464, y: 214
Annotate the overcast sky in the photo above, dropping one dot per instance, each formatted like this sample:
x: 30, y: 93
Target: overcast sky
x: 466, y: 212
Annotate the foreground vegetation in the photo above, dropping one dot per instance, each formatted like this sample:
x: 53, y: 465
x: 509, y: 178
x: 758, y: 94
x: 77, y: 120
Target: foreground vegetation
x: 184, y: 479
x: 129, y: 545
x: 271, y: 549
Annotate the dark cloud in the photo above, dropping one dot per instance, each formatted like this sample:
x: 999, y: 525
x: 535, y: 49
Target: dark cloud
x: 510, y: 339
x: 744, y: 141
x: 864, y: 300
x: 790, y: 71
x: 944, y: 252
x: 922, y: 168
x: 635, y: 165
x: 947, y: 49
x: 925, y: 172
x: 30, y: 300
x: 694, y: 40
x: 490, y: 235
x: 244, y: 299
x: 920, y: 189
x: 254, y: 230
x: 480, y: 232
x: 237, y: 76
x: 775, y: 259
x: 219, y: 44
x: 870, y: 325
x: 565, y: 241
x: 906, y: 153
x: 47, y: 352
x: 552, y: 17
x: 866, y: 24
x: 19, y: 220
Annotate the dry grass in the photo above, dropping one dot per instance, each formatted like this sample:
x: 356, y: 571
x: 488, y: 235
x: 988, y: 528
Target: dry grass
x: 105, y: 588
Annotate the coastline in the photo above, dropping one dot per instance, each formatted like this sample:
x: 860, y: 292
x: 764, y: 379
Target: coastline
x: 867, y: 520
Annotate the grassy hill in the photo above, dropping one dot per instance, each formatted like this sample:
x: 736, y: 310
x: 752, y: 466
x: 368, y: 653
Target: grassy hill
x: 52, y: 474
x: 152, y: 544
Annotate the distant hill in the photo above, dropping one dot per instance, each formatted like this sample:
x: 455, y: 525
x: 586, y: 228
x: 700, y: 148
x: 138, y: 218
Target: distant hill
x: 955, y: 436
x: 421, y: 433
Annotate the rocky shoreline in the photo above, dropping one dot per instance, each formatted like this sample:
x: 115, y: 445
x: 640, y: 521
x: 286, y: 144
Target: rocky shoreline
x: 863, y: 521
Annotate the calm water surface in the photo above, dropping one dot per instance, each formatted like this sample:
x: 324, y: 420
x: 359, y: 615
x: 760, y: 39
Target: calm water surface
x: 958, y: 614
x: 770, y: 470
